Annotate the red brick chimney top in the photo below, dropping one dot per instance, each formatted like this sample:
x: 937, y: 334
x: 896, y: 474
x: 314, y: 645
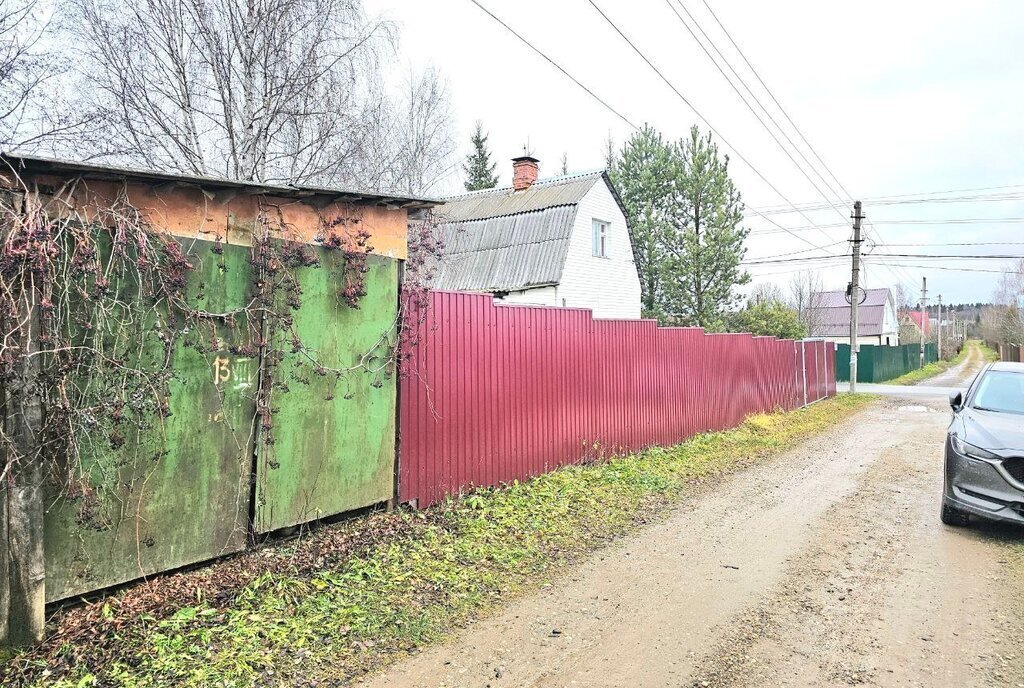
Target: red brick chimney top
x: 524, y: 172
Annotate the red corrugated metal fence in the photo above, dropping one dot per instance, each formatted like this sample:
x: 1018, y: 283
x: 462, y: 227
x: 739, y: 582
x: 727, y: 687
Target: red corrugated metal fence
x: 497, y: 393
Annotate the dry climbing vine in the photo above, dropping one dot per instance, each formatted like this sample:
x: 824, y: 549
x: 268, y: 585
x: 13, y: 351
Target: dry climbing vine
x: 94, y: 306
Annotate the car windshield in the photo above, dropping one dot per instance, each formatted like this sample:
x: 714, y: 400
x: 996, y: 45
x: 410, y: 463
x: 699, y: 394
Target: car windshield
x: 1000, y: 390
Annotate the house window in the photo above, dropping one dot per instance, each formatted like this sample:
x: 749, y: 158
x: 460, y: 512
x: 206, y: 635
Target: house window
x: 600, y: 239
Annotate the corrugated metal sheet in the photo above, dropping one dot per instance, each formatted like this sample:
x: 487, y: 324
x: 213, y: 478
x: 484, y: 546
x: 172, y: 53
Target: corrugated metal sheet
x: 505, y: 240
x: 837, y: 299
x: 835, y: 322
x: 543, y: 194
x: 498, y: 393
x: 881, y: 363
x: 506, y: 253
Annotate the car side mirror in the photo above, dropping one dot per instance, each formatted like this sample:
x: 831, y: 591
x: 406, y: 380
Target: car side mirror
x: 956, y: 400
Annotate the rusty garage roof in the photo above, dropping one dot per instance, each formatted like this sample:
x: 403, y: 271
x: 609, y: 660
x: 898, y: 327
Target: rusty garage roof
x: 313, y: 194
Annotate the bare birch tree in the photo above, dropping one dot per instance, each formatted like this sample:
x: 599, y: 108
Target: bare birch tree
x: 31, y: 114
x: 409, y: 144
x: 1008, y: 314
x: 264, y: 90
x: 804, y: 288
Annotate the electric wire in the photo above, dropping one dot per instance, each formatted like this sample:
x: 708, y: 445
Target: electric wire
x: 555, y: 65
x: 697, y: 112
x: 604, y: 103
x: 750, y: 107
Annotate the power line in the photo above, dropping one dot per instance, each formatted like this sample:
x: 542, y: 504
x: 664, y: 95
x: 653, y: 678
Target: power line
x: 555, y: 65
x: 948, y: 221
x: 914, y: 199
x: 838, y: 260
x: 962, y: 244
x: 875, y: 256
x: 945, y: 267
x: 785, y: 114
x: 610, y: 108
x: 804, y: 138
x: 700, y: 116
x: 958, y: 221
x: 776, y: 100
x: 732, y: 84
x: 947, y: 256
x: 793, y: 253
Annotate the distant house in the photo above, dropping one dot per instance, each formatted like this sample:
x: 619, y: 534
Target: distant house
x: 877, y: 322
x: 551, y: 242
x: 918, y: 318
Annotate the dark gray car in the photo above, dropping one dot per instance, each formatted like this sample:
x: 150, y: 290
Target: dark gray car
x: 985, y: 448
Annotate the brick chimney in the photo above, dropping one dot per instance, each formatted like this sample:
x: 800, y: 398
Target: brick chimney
x: 524, y: 172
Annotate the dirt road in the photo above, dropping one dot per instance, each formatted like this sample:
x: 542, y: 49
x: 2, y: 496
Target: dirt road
x: 826, y: 566
x: 961, y: 374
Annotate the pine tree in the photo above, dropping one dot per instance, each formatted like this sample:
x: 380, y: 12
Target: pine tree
x: 705, y: 245
x: 685, y: 216
x: 609, y: 152
x: 644, y: 174
x: 478, y: 166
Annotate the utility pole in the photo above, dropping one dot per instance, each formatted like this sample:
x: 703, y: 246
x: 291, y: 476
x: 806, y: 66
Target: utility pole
x: 938, y: 300
x: 855, y: 296
x: 924, y: 314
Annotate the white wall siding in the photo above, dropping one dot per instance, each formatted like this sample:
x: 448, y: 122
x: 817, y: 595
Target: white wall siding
x: 890, y: 321
x: 540, y: 296
x: 608, y: 286
x: 873, y: 340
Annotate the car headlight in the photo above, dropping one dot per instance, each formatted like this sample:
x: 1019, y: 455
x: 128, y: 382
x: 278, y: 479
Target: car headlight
x: 970, y: 450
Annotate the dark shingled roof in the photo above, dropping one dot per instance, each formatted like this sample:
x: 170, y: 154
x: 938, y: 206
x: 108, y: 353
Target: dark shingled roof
x: 506, y: 240
x: 833, y: 320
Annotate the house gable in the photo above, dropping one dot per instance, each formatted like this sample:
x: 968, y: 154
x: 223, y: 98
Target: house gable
x: 609, y: 286
x: 876, y: 315
x: 503, y: 241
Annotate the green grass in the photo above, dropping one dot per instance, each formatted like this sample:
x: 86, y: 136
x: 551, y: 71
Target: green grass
x: 425, y: 572
x: 933, y: 369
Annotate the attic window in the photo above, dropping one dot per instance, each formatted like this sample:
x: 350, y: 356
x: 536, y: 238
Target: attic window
x: 600, y: 242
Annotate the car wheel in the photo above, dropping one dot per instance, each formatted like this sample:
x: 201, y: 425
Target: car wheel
x: 952, y: 516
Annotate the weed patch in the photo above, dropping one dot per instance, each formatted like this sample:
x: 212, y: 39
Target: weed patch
x: 355, y: 596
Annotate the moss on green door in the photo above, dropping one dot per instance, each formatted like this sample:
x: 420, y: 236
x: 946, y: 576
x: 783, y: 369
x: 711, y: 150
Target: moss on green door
x: 177, y: 491
x: 333, y: 437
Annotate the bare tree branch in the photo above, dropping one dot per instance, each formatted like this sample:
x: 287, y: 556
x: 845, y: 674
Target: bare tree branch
x: 265, y: 90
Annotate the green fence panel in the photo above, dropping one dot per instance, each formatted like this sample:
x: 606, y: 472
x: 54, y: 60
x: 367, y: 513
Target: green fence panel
x: 333, y: 439
x: 843, y: 363
x: 178, y: 492
x: 881, y: 363
x: 866, y: 364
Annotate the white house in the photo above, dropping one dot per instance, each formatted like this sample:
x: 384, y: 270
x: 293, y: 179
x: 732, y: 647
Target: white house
x: 877, y: 320
x: 549, y: 242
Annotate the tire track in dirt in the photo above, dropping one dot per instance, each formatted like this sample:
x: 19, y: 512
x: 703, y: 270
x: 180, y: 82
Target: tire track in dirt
x: 884, y: 595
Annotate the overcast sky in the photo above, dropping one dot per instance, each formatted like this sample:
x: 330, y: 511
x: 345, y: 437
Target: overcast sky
x: 897, y: 98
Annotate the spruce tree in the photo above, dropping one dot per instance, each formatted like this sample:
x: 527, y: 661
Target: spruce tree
x: 478, y: 166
